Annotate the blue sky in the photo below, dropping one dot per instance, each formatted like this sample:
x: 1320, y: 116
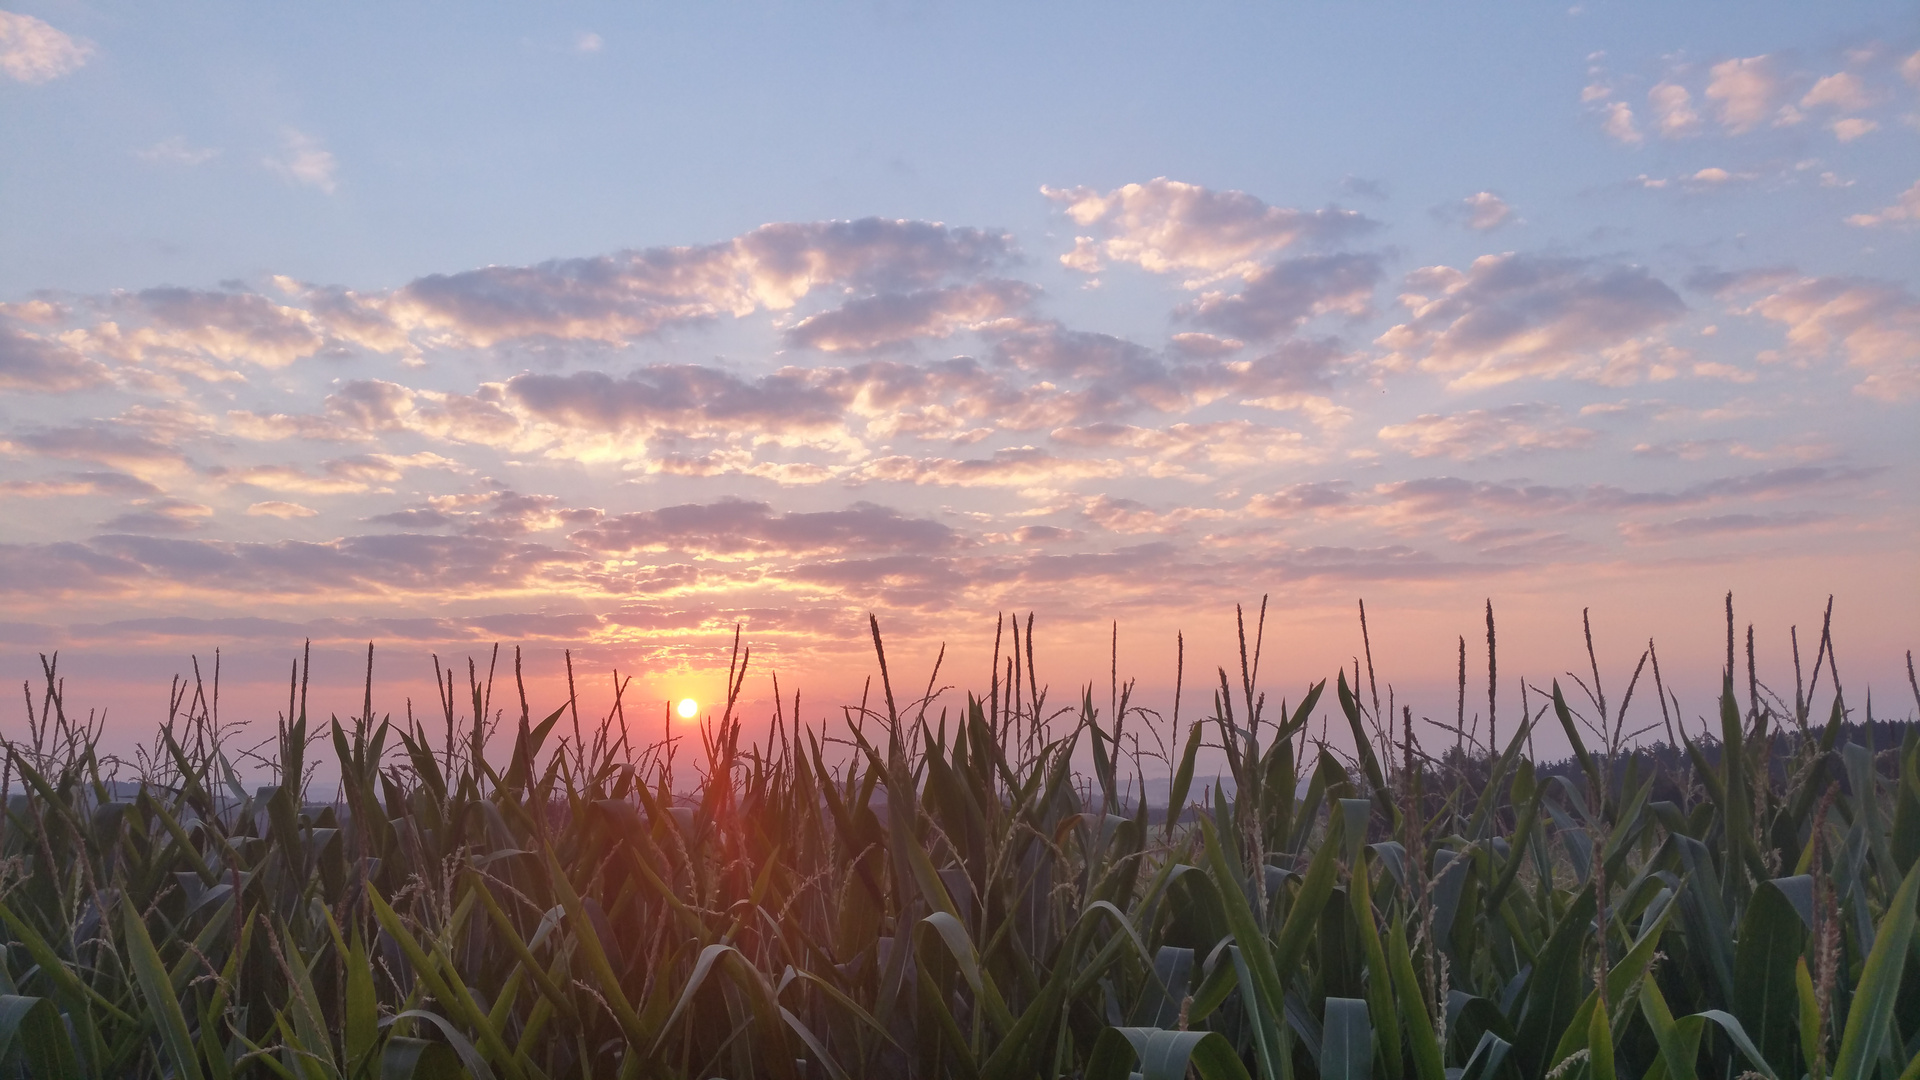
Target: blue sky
x: 455, y: 325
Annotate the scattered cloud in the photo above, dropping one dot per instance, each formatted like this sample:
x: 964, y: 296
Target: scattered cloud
x: 732, y: 528
x: 1515, y: 316
x: 1446, y: 496
x: 160, y: 516
x: 1483, y: 211
x: 1673, y: 113
x: 82, y: 483
x: 681, y: 397
x: 1702, y: 181
x: 1204, y: 346
x: 1715, y: 176
x: 1016, y: 467
x: 1718, y: 525
x: 304, y: 160
x: 39, y: 365
x: 176, y: 151
x: 1483, y: 433
x: 1125, y: 516
x: 1619, y: 125
x: 280, y: 509
x: 123, y: 446
x: 1745, y: 90
x: 1852, y: 127
x: 615, y: 298
x: 1842, y: 90
x: 1905, y: 210
x: 1166, y: 226
x: 1876, y: 324
x: 33, y: 52
x: 1278, y: 299
x: 588, y: 42
x: 225, y: 326
x: 1305, y: 500
x: 877, y: 322
x: 536, y: 439
x: 1171, y: 450
x: 350, y: 567
x: 338, y: 476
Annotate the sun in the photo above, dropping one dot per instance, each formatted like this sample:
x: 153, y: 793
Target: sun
x: 688, y: 708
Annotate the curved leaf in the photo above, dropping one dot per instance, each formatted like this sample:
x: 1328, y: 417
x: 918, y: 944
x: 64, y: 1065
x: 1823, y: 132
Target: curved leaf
x: 463, y: 1047
x: 32, y: 1034
x: 1870, y: 1019
x: 1164, y: 1055
x: 1346, y: 1041
x: 419, y: 1059
x: 151, y: 974
x: 1771, y: 938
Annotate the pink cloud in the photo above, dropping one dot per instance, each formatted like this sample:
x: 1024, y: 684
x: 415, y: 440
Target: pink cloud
x: 1515, y: 316
x: 1171, y: 227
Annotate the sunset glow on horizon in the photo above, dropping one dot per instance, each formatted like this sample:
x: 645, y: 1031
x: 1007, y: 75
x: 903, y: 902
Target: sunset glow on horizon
x: 614, y: 337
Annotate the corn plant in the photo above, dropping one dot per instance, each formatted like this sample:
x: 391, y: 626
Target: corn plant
x: 978, y: 889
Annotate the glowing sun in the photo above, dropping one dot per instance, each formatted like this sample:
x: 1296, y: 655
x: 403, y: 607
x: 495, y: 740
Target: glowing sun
x: 688, y: 708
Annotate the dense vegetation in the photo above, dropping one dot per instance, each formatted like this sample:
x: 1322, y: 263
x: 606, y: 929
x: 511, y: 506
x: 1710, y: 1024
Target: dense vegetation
x: 935, y: 891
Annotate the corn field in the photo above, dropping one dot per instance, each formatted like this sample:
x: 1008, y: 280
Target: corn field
x: 936, y: 889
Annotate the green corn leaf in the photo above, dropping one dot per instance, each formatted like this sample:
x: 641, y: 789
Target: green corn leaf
x: 1870, y: 1018
x: 1369, y: 761
x: 1730, y: 1026
x: 1246, y: 931
x: 1679, y: 1043
x: 32, y: 1035
x: 362, y: 1005
x: 1552, y: 992
x: 157, y: 989
x: 1680, y: 1039
x: 1221, y: 980
x: 450, y: 995
x: 814, y: 1045
x: 1565, y: 716
x: 1303, y: 918
x: 1737, y: 810
x: 958, y: 1049
x: 597, y: 962
x: 1346, y: 1041
x: 419, y: 1059
x: 522, y: 951
x: 1488, y: 1055
x: 1265, y: 1024
x: 1809, y: 1020
x: 1620, y: 978
x: 760, y: 999
x: 1771, y: 938
x: 1599, y: 1047
x: 1905, y: 846
x: 1427, y: 1062
x: 839, y: 997
x: 1379, y: 990
x: 304, y: 1005
x: 1183, y: 779
x: 960, y: 945
x: 476, y: 1066
x: 1163, y: 1055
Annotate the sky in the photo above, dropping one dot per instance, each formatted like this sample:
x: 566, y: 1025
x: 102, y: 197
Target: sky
x: 609, y: 328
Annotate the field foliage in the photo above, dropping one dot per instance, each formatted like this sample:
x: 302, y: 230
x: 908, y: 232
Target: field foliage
x: 930, y: 887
